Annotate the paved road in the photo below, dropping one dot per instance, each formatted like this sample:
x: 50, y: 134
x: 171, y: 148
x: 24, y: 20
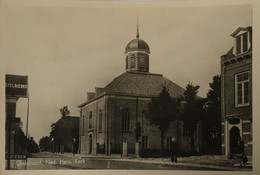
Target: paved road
x: 47, y: 161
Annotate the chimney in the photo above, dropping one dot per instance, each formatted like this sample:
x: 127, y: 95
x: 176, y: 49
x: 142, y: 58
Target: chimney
x: 90, y: 95
x: 99, y: 91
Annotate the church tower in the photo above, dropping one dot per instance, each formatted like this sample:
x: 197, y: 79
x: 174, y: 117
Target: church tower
x: 137, y: 55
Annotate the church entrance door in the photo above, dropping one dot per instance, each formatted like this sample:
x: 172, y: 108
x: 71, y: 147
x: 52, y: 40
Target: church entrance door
x: 90, y: 144
x: 234, y: 135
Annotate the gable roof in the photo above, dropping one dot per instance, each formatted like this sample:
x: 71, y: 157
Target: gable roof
x: 68, y: 122
x: 140, y: 84
x: 240, y: 29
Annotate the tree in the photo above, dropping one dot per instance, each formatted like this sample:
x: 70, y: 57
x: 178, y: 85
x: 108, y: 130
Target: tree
x: 64, y: 111
x: 57, y: 134
x: 20, y: 141
x: 193, y: 112
x: 178, y: 107
x: 213, y: 115
x: 32, y: 146
x: 161, y: 112
x: 63, y: 136
x: 44, y: 143
x: 138, y: 131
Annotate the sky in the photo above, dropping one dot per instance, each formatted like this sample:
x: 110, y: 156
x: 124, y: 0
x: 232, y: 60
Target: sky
x: 67, y: 51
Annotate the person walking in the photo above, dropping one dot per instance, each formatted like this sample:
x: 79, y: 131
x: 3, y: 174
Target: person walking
x: 74, y: 147
x: 173, y: 150
x: 241, y: 153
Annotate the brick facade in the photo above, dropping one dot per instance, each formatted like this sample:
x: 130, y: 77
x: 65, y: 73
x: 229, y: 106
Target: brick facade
x: 236, y: 97
x: 110, y: 139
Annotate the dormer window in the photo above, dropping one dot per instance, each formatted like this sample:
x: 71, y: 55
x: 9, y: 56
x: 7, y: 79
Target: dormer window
x: 242, y: 43
x: 238, y: 44
x: 245, y: 47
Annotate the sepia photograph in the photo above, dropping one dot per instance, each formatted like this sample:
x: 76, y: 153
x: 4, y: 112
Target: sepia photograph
x: 128, y: 86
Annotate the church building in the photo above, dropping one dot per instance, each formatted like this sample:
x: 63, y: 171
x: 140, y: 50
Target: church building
x: 109, y: 116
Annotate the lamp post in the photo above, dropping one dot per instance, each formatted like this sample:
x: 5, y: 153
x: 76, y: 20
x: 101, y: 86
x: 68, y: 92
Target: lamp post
x: 121, y: 129
x: 73, y: 146
x: 9, y: 143
x: 52, y: 144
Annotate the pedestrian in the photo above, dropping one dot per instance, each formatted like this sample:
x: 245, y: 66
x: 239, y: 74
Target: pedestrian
x: 73, y: 147
x: 241, y: 153
x: 173, y: 150
x: 244, y: 159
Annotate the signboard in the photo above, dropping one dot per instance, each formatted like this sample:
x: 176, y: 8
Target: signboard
x: 16, y: 120
x: 16, y: 86
x: 16, y: 156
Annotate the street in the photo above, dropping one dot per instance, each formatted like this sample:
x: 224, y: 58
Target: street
x: 47, y: 161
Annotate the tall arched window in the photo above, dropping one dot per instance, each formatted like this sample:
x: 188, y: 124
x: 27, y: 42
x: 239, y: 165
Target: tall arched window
x: 90, y: 120
x: 125, y: 120
x: 100, y: 121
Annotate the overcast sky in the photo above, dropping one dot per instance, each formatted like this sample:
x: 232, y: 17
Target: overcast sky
x: 68, y: 51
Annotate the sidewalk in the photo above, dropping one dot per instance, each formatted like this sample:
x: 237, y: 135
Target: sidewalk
x: 197, y: 162
x: 207, y: 161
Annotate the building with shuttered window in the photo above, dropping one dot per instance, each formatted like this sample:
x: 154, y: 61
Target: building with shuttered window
x: 236, y: 93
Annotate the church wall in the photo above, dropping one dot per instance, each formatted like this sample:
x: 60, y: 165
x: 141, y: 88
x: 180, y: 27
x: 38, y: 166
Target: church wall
x: 128, y: 136
x: 111, y: 119
x: 117, y: 136
x: 83, y: 141
x: 154, y: 137
x: 100, y: 133
x: 185, y: 141
x: 152, y: 132
x: 97, y: 136
x: 172, y: 132
x: 111, y: 110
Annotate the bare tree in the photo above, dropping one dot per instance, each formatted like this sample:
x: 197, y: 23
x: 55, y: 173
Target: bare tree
x: 64, y: 111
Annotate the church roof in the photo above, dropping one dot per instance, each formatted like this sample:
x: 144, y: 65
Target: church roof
x: 68, y: 122
x: 137, y: 45
x: 140, y: 84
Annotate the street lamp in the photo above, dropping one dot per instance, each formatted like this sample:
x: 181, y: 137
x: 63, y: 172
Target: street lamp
x: 73, y: 146
x: 52, y: 144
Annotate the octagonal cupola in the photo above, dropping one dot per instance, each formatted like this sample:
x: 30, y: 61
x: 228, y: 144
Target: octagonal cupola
x: 137, y: 55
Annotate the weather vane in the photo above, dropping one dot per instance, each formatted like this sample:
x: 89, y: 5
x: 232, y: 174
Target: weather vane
x: 137, y: 33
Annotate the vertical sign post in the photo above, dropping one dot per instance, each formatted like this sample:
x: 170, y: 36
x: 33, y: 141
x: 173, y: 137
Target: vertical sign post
x: 16, y: 86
